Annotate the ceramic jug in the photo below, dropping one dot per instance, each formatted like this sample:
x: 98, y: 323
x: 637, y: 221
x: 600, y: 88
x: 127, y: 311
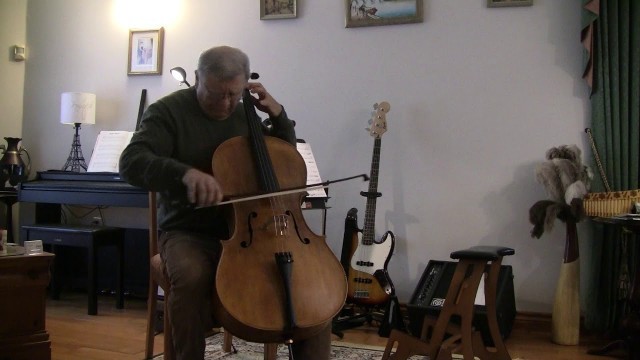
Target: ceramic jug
x: 12, y: 167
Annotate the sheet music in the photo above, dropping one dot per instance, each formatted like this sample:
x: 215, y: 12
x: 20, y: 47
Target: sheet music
x: 106, y: 152
x: 313, y: 175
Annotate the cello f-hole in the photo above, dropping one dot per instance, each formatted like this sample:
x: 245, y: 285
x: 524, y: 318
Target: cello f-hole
x: 303, y: 240
x: 246, y: 243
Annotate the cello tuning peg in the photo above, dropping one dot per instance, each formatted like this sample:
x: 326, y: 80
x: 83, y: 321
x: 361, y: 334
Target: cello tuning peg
x: 370, y: 121
x: 375, y: 106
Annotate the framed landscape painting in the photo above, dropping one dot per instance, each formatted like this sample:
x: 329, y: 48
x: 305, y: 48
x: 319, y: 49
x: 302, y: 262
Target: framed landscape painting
x: 382, y: 12
x: 278, y: 9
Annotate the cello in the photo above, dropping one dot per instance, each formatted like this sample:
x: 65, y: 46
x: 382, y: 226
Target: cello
x: 276, y: 280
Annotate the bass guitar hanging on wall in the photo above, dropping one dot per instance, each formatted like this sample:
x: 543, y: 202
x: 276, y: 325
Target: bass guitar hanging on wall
x: 368, y: 279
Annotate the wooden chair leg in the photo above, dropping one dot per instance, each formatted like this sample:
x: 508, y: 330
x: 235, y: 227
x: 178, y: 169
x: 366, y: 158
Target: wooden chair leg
x: 169, y: 351
x: 490, y: 290
x: 227, y: 342
x: 270, y: 351
x: 406, y: 346
x: 151, y: 314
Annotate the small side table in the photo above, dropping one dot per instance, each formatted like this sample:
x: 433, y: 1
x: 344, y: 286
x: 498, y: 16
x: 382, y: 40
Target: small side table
x: 9, y: 196
x: 631, y: 321
x: 23, y: 289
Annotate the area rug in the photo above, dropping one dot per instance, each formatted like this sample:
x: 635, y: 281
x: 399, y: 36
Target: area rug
x: 254, y: 351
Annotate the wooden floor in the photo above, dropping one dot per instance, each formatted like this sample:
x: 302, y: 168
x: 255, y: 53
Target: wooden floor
x: 120, y: 334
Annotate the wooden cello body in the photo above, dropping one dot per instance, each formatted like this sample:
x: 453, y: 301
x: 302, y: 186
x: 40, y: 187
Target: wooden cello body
x: 256, y: 296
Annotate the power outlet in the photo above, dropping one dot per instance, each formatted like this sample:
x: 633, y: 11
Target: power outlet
x: 19, y: 53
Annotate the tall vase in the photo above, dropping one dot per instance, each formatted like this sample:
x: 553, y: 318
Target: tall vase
x: 565, y: 318
x: 12, y: 167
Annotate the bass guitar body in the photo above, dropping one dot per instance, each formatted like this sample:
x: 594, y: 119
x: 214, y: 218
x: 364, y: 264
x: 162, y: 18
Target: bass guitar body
x: 368, y: 279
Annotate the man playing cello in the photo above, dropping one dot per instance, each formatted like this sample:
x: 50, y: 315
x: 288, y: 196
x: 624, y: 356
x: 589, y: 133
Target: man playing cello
x: 171, y: 154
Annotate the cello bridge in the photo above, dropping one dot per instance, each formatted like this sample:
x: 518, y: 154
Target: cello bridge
x: 281, y: 224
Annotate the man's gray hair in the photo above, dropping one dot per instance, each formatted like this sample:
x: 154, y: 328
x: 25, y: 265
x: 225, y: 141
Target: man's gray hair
x: 223, y: 62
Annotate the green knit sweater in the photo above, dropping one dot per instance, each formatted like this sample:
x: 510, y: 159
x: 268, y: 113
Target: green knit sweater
x: 175, y: 135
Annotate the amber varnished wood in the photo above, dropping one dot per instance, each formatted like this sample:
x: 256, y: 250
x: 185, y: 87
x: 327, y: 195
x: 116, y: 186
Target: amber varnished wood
x: 249, y: 297
x: 158, y: 278
x: 23, y: 283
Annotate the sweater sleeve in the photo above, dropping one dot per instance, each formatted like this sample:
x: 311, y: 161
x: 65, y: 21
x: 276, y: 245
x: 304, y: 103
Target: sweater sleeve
x: 146, y: 162
x: 283, y: 128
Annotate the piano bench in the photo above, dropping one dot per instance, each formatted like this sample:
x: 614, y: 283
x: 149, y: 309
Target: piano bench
x: 91, y: 238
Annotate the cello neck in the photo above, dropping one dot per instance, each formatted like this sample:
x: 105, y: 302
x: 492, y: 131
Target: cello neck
x: 264, y: 167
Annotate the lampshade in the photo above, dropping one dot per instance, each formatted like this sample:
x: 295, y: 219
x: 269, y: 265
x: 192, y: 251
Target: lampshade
x: 78, y: 108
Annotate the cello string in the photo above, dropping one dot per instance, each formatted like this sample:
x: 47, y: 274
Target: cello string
x: 259, y: 146
x: 269, y: 180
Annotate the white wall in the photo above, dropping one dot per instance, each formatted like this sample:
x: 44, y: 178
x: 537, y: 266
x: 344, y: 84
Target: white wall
x: 477, y: 96
x: 13, y: 31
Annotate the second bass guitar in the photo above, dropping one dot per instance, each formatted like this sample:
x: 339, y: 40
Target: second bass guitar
x: 368, y: 280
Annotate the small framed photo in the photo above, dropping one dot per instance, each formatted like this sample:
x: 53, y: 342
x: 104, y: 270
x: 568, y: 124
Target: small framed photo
x: 277, y: 9
x: 360, y: 13
x: 145, y: 52
x: 505, y: 3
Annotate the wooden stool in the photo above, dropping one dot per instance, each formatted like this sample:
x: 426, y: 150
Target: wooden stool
x: 91, y: 238
x: 459, y: 302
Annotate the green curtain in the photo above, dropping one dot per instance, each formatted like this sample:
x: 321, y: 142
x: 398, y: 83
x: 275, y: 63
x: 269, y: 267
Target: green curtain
x: 615, y: 124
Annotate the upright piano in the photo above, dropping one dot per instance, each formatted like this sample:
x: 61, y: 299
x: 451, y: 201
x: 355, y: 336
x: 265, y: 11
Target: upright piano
x: 52, y: 188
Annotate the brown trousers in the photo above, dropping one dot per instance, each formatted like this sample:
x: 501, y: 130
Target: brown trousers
x: 190, y: 262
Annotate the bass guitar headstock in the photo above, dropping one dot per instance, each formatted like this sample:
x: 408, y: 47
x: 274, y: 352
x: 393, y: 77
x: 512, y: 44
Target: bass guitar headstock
x: 378, y: 119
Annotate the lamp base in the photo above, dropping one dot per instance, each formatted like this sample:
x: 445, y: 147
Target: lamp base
x: 75, y: 161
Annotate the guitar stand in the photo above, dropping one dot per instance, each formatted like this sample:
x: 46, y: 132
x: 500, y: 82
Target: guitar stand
x: 350, y: 317
x: 370, y: 195
x: 392, y: 318
x: 353, y: 316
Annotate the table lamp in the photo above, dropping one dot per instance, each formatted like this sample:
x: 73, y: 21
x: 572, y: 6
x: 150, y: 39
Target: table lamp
x: 77, y: 108
x: 179, y: 74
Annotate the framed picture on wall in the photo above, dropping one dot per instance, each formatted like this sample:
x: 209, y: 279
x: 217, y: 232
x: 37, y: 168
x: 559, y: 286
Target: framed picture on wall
x: 277, y: 9
x: 380, y: 12
x: 145, y: 52
x: 504, y: 3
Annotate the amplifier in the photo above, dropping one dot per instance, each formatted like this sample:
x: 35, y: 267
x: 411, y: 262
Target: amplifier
x: 429, y: 296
